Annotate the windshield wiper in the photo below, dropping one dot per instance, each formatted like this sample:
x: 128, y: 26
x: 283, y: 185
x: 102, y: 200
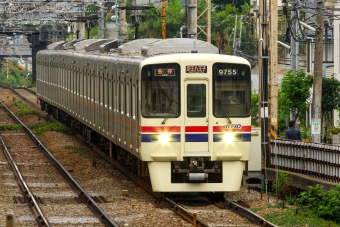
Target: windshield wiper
x: 224, y: 112
x: 168, y: 113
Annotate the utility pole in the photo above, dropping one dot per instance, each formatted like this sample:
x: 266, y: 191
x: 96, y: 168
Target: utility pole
x: 273, y: 97
x: 122, y: 20
x: 7, y: 68
x: 101, y: 21
x: 163, y: 15
x: 294, y: 45
x: 192, y: 19
x: 317, y: 81
x: 208, y: 21
x: 234, y: 43
x: 259, y: 51
x: 263, y: 82
x: 240, y: 37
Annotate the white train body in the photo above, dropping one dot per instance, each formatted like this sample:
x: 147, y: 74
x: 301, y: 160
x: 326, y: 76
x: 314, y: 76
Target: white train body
x: 182, y: 119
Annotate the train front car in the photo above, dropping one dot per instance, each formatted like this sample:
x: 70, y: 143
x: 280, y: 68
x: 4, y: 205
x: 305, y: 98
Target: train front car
x: 195, y: 121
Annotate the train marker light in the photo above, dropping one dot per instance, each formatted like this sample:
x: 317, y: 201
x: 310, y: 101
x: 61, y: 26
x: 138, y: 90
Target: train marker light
x: 228, y: 137
x: 164, y: 138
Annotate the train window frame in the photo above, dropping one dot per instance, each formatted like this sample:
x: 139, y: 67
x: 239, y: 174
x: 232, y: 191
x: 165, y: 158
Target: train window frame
x: 196, y: 100
x: 127, y: 98
x: 133, y: 103
x: 161, y: 93
x: 231, y: 93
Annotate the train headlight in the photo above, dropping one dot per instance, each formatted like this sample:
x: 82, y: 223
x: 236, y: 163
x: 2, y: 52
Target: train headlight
x: 164, y: 138
x: 228, y: 137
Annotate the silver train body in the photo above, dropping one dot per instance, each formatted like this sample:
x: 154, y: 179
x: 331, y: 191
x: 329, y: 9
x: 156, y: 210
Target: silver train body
x: 177, y: 118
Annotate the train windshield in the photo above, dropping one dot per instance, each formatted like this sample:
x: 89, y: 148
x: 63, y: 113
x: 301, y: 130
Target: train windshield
x: 160, y: 91
x: 231, y: 90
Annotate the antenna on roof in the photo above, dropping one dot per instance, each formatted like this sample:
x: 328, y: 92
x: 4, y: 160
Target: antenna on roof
x: 194, y: 51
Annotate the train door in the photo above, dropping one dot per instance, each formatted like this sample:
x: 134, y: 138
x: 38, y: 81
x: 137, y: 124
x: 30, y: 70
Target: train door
x: 196, y: 117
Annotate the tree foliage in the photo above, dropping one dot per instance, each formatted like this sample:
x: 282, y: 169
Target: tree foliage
x: 151, y: 26
x: 16, y: 76
x: 221, y: 4
x: 330, y: 94
x: 325, y: 204
x: 224, y: 25
x: 294, y: 92
x: 254, y: 110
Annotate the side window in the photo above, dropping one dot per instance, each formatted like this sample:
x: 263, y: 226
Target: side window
x: 196, y: 100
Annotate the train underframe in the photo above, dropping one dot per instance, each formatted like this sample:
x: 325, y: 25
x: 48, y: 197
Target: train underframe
x: 120, y: 155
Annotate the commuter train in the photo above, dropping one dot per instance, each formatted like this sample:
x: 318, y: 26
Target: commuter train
x: 173, y: 111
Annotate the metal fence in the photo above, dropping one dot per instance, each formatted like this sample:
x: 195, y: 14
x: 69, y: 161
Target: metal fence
x: 317, y: 160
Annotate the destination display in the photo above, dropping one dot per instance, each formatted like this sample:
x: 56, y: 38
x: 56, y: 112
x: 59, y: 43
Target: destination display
x: 196, y: 69
x: 165, y: 72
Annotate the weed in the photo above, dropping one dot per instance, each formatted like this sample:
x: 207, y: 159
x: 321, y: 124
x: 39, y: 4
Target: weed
x: 4, y: 127
x: 25, y: 110
x: 77, y: 150
x: 42, y: 127
x: 20, y: 105
x: 289, y: 217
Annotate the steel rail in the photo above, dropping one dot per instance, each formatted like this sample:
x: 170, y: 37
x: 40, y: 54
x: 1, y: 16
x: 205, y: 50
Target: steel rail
x: 160, y: 198
x: 28, y: 196
x: 254, y: 218
x: 178, y: 209
x: 26, y: 100
x: 83, y: 196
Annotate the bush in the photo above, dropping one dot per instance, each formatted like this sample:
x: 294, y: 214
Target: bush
x: 281, y: 186
x: 312, y: 198
x: 330, y: 208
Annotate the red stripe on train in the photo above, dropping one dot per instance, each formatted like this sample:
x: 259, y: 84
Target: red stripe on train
x: 196, y: 128
x: 160, y: 128
x: 223, y: 129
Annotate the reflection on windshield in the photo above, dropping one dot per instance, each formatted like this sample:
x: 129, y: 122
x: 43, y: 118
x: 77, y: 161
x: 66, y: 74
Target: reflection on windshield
x: 160, y: 91
x: 231, y: 90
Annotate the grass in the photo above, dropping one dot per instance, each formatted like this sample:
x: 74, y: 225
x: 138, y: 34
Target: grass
x: 289, y: 217
x: 20, y: 105
x: 25, y: 110
x: 77, y: 150
x: 42, y: 127
x: 4, y: 127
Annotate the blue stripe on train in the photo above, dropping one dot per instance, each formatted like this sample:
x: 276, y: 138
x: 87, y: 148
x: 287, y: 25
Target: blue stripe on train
x: 196, y: 137
x: 155, y: 137
x: 237, y: 137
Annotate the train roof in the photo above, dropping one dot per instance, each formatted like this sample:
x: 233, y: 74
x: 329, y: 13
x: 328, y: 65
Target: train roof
x: 141, y: 47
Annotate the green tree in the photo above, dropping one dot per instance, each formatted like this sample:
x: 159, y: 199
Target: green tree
x: 223, y: 23
x: 221, y: 4
x: 330, y: 96
x: 151, y: 27
x: 283, y: 114
x: 254, y: 109
x: 294, y: 92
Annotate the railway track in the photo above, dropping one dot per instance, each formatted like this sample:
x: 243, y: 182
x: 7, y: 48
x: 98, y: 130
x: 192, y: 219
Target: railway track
x: 46, y: 185
x: 186, y: 213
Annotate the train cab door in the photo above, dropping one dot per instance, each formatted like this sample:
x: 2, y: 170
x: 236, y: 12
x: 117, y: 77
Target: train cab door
x: 196, y: 117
